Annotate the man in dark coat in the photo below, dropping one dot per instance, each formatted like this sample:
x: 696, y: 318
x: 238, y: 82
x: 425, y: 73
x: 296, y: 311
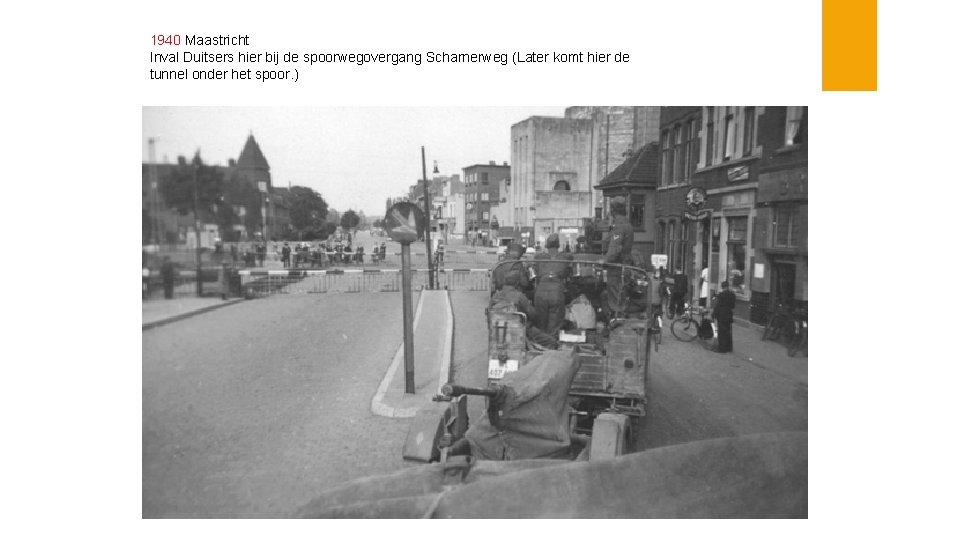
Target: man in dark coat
x: 723, y: 314
x: 285, y: 255
x: 679, y: 292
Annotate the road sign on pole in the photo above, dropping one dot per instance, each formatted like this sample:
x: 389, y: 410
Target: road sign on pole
x: 404, y: 223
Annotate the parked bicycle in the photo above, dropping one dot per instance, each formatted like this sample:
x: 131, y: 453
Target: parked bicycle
x: 687, y: 327
x: 789, y: 324
x: 800, y: 339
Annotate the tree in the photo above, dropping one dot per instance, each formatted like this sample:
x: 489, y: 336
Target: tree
x: 308, y: 210
x: 349, y: 220
x: 178, y: 189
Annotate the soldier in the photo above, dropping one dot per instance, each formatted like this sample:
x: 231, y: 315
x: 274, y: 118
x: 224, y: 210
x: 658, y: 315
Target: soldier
x: 508, y: 295
x: 549, y: 298
x: 617, y: 247
x: 619, y: 243
x: 514, y: 253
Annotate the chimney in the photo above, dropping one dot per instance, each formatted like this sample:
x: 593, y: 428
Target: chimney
x: 231, y: 162
x: 493, y: 163
x: 505, y: 164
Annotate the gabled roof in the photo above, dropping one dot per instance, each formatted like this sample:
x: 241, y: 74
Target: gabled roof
x: 640, y: 169
x: 251, y: 157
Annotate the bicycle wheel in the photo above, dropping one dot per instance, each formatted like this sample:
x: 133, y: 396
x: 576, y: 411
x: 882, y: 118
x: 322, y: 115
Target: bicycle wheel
x: 685, y: 328
x: 772, y: 330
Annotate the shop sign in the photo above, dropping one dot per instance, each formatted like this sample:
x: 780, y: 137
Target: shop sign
x: 782, y: 185
x: 702, y: 214
x: 658, y: 260
x: 741, y: 172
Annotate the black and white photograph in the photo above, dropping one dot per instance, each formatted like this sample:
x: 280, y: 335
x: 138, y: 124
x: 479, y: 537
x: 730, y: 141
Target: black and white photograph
x: 381, y: 312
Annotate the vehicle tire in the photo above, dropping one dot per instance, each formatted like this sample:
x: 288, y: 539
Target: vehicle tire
x: 685, y: 329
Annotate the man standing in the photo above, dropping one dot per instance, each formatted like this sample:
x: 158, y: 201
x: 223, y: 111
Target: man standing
x: 723, y: 314
x: 679, y: 293
x: 617, y: 248
x: 285, y: 255
x: 549, y: 298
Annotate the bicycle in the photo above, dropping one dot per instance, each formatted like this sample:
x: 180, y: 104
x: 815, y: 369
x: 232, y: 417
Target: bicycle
x: 781, y: 321
x: 799, y: 340
x: 685, y: 327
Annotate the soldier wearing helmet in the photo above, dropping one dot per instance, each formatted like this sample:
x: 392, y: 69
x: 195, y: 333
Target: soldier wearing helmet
x: 549, y: 297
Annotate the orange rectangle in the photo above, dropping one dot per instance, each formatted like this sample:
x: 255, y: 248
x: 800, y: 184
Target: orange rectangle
x: 849, y: 45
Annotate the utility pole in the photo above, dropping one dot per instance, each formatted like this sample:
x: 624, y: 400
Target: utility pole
x: 155, y: 202
x: 426, y: 211
x: 196, y: 228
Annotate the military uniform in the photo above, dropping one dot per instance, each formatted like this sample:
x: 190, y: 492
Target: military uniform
x: 549, y: 298
x: 501, y: 272
x: 508, y: 294
x: 617, y: 248
x: 619, y: 243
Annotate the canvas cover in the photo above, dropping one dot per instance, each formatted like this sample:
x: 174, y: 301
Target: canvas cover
x: 533, y: 421
x: 752, y: 476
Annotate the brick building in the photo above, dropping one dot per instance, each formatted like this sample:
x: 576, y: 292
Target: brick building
x: 707, y: 211
x: 481, y: 185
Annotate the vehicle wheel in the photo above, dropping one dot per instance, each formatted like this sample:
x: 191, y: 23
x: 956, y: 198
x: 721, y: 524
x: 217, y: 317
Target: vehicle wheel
x: 685, y: 329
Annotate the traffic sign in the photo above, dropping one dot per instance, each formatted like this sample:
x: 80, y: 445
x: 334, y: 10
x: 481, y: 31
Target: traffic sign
x: 404, y: 222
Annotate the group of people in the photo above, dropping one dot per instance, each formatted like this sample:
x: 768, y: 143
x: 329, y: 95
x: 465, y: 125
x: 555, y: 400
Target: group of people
x: 324, y: 254
x: 674, y: 289
x: 552, y: 268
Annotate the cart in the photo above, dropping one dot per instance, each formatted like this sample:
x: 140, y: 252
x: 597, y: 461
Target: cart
x: 600, y: 374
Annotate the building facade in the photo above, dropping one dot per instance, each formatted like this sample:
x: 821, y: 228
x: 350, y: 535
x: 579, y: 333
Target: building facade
x: 250, y: 171
x: 481, y: 184
x: 635, y: 180
x: 709, y: 212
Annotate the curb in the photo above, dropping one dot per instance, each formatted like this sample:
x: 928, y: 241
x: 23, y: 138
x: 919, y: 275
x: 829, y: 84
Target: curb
x: 181, y: 316
x: 377, y: 406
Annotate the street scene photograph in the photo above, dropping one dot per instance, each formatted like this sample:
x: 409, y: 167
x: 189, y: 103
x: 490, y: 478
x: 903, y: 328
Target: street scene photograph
x: 475, y: 312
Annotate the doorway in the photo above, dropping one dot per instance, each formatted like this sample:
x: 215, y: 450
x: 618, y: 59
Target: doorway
x: 784, y: 283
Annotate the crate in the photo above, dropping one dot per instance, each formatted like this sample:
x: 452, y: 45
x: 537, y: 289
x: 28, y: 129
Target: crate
x: 621, y: 371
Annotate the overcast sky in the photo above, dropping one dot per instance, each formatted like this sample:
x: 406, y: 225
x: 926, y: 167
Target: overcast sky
x: 355, y: 157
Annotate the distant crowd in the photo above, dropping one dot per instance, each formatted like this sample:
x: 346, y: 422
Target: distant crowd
x: 307, y: 255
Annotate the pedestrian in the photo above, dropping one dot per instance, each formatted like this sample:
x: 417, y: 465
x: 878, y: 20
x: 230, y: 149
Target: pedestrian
x: 549, y: 297
x: 704, y: 286
x: 679, y: 294
x: 383, y: 250
x: 261, y: 253
x: 723, y: 314
x: 168, y: 273
x: 514, y: 252
x: 233, y: 253
x: 285, y: 255
x: 566, y: 248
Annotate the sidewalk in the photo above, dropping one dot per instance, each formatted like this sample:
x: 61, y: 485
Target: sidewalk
x: 432, y: 343
x: 771, y: 355
x: 159, y: 312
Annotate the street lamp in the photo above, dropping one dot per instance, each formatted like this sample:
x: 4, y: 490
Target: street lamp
x: 196, y: 227
x: 427, y: 212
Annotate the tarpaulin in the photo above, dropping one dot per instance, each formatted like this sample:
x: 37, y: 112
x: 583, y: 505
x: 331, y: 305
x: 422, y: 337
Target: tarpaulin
x: 752, y: 476
x: 533, y: 412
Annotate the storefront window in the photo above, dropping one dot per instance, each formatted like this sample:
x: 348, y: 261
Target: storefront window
x: 737, y: 253
x: 636, y: 212
x: 715, y: 233
x: 787, y: 226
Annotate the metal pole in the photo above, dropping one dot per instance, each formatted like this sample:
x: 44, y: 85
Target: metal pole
x: 427, y: 211
x: 196, y: 228
x: 155, y: 210
x: 407, y: 318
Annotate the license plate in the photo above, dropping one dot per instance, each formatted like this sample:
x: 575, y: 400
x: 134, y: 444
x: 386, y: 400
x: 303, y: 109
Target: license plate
x: 496, y: 370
